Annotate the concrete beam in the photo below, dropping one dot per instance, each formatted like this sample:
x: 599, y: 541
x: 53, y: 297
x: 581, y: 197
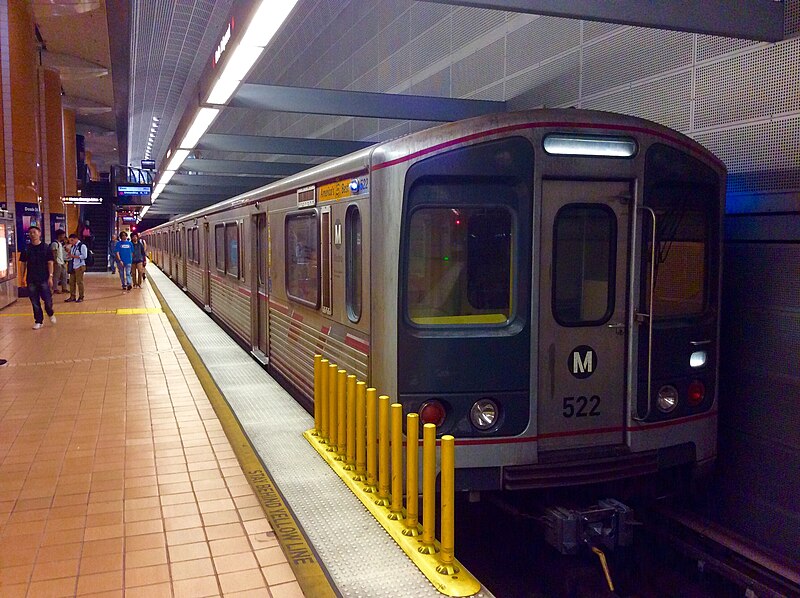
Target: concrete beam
x: 334, y: 102
x: 194, y: 180
x: 294, y: 146
x: 761, y: 20
x: 269, y: 169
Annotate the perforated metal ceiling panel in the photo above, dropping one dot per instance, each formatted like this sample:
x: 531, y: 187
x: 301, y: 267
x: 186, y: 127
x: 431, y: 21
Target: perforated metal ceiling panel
x: 702, y: 85
x: 171, y: 42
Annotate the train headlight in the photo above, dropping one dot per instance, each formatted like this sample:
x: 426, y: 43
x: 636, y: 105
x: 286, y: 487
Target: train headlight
x: 483, y: 414
x: 697, y: 392
x: 432, y: 412
x: 667, y: 398
x: 698, y: 359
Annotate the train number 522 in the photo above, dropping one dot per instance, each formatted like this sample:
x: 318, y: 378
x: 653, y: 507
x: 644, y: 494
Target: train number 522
x: 581, y: 406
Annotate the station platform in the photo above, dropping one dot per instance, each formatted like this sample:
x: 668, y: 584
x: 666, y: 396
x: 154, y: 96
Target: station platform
x: 115, y: 420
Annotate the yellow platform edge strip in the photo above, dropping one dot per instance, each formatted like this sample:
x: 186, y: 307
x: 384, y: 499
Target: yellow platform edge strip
x: 461, y: 584
x: 302, y: 559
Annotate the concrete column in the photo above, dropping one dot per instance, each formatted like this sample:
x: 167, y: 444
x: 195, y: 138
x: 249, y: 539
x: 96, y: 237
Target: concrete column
x: 70, y: 168
x: 52, y: 150
x: 22, y: 137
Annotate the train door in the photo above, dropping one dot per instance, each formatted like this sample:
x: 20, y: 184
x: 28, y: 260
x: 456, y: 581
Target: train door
x: 184, y: 258
x: 258, y: 276
x: 206, y: 266
x: 583, y: 313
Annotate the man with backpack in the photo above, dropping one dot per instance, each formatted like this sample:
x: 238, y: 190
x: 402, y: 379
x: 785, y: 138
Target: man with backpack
x: 139, y: 259
x: 78, y: 252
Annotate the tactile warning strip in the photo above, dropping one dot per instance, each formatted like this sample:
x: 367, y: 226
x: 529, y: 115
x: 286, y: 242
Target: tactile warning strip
x: 361, y: 558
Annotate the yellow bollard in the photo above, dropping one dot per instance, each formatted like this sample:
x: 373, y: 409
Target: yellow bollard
x: 372, y: 440
x: 360, y: 431
x: 447, y: 557
x: 396, y: 511
x: 324, y: 399
x: 333, y: 410
x: 383, y: 451
x: 341, y: 418
x: 412, y: 474
x: 428, y: 489
x: 350, y: 461
x: 317, y: 406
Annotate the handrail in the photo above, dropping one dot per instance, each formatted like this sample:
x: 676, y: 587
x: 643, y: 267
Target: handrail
x: 649, y: 317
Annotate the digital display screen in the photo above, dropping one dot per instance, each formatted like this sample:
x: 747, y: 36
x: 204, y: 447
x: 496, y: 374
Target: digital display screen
x: 129, y: 219
x: 133, y: 194
x: 3, y: 252
x: 148, y: 164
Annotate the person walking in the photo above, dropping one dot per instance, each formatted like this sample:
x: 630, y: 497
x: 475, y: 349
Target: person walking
x: 60, y: 277
x: 139, y: 259
x: 124, y: 253
x: 77, y: 252
x: 37, y: 270
x: 112, y: 258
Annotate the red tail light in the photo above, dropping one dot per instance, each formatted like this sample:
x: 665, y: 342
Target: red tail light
x: 697, y: 392
x: 432, y: 412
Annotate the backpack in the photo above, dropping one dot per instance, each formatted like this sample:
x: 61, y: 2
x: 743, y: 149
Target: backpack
x: 89, y: 256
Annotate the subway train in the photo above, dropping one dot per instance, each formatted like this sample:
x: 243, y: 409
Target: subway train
x: 543, y: 285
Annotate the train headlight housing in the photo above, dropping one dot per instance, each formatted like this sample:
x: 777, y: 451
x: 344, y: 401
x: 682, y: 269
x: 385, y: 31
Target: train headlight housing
x: 432, y: 412
x: 484, y: 413
x: 667, y: 398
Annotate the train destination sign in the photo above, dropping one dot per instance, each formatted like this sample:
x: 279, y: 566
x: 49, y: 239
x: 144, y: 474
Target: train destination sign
x: 343, y: 189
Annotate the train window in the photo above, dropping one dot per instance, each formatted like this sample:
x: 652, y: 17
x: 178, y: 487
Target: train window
x: 683, y: 193
x: 219, y: 247
x: 302, y: 258
x: 584, y: 243
x: 460, y: 265
x: 353, y: 259
x: 232, y: 245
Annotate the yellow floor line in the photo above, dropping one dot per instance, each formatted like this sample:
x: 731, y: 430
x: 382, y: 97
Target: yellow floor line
x: 303, y: 560
x: 119, y: 312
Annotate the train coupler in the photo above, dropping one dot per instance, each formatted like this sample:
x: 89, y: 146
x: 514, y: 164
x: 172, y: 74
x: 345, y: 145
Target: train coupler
x: 608, y: 524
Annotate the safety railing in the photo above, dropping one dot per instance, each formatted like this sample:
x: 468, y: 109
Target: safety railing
x: 360, y: 435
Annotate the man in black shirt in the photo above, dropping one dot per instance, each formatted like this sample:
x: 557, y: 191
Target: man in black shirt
x: 37, y: 264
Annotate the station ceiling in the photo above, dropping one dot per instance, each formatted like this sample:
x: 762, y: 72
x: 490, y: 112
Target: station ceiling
x: 311, y: 97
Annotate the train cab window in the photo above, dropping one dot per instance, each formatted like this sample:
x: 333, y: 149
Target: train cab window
x: 219, y: 247
x: 584, y: 239
x: 353, y: 250
x: 460, y: 265
x: 682, y: 192
x: 232, y: 246
x: 302, y: 257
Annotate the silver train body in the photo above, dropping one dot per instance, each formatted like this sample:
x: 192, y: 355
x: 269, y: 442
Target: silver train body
x: 546, y: 282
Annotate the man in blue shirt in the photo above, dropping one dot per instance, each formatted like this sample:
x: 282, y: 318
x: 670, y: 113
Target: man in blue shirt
x: 124, y: 252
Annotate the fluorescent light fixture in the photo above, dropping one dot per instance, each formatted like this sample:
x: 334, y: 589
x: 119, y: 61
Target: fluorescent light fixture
x: 177, y: 159
x: 266, y: 21
x: 143, y: 212
x: 165, y: 178
x: 262, y: 27
x: 222, y: 91
x: 578, y: 145
x: 156, y: 119
x: 201, y: 123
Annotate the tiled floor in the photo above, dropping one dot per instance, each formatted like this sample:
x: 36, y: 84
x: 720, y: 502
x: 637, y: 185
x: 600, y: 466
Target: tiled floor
x: 116, y: 477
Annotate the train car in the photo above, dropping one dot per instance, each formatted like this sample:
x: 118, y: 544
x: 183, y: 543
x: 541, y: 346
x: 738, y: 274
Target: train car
x: 543, y: 285
x: 8, y: 259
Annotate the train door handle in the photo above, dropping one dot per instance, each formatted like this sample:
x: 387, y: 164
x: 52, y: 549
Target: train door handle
x: 619, y: 327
